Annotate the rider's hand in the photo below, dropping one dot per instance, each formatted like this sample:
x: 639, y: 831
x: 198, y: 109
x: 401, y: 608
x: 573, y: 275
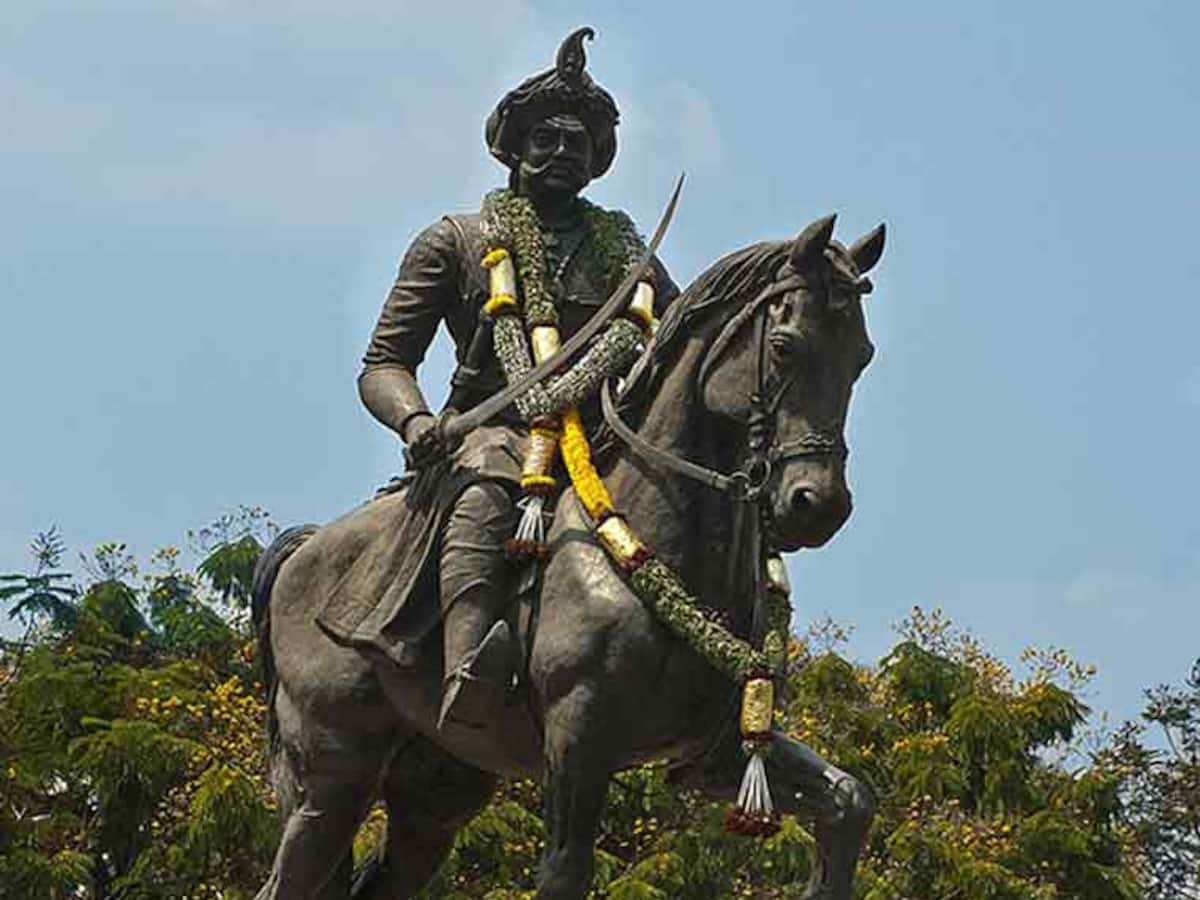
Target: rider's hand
x: 420, y: 440
x: 427, y: 441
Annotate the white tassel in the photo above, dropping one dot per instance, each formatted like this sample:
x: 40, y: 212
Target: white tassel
x: 529, y: 543
x: 532, y: 528
x: 754, y: 813
x: 754, y: 797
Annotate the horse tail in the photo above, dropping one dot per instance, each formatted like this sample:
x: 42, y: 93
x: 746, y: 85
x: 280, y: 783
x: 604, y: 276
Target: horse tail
x: 265, y: 572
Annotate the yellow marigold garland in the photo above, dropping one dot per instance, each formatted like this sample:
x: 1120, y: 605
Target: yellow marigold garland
x: 577, y: 457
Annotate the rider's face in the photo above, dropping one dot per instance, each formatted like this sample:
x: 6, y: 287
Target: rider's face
x: 557, y: 157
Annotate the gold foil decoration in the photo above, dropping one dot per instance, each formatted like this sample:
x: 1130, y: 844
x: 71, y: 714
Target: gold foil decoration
x: 777, y: 576
x: 758, y: 707
x: 539, y: 457
x: 502, y: 277
x: 545, y: 341
x: 619, y: 540
x: 642, y: 304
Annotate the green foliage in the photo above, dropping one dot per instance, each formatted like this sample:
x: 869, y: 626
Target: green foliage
x: 230, y: 568
x: 231, y: 546
x: 41, y: 594
x: 130, y: 744
x: 132, y: 763
x: 927, y: 682
x: 58, y: 876
x: 43, y: 597
x: 185, y: 624
x: 1159, y: 795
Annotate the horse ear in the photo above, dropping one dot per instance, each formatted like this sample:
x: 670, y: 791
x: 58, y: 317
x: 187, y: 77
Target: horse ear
x: 868, y: 248
x: 810, y: 244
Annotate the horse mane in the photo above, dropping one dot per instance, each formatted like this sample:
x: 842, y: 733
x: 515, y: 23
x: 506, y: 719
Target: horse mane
x: 732, y: 281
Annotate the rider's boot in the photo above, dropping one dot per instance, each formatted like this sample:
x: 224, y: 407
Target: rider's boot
x: 475, y: 588
x: 476, y: 687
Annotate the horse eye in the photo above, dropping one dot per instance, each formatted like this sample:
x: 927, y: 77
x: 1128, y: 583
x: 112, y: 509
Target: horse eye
x: 786, y: 342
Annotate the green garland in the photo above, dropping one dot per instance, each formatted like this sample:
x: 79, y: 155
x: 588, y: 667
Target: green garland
x: 779, y: 625
x: 657, y: 585
x: 511, y: 222
x: 512, y: 349
x: 612, y: 355
x: 615, y: 239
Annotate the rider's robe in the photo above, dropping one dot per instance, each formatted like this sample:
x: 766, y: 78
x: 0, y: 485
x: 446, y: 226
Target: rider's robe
x: 385, y: 591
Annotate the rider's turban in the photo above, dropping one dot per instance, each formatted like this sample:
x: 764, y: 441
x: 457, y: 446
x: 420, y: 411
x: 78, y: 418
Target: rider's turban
x: 565, y: 89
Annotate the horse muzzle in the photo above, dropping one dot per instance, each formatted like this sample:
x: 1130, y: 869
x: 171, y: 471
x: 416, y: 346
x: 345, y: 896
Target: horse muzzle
x: 809, y: 507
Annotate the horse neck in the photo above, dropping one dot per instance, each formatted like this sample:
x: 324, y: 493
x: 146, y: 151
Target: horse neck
x: 699, y: 531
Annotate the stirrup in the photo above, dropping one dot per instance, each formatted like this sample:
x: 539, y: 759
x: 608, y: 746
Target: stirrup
x: 477, y: 686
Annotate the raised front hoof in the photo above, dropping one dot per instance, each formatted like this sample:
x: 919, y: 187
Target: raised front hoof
x: 840, y: 835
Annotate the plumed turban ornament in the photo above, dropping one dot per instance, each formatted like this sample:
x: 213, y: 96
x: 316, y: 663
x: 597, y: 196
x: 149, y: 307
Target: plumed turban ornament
x: 565, y: 89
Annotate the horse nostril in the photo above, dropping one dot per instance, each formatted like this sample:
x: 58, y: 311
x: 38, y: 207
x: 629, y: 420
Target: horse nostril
x: 804, y: 498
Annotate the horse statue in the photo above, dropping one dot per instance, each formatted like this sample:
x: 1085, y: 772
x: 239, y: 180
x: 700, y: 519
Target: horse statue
x: 769, y: 340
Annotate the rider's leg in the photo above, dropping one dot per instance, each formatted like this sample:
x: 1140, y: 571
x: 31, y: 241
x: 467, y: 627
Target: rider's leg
x: 475, y: 586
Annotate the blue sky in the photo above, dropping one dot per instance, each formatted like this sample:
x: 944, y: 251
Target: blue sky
x: 202, y: 204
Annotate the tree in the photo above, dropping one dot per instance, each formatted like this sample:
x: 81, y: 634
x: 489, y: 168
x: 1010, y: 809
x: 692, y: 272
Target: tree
x: 1162, y: 789
x: 134, y: 764
x: 37, y: 598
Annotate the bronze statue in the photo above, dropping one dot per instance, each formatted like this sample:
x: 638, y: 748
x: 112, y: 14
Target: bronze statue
x: 428, y: 641
x: 555, y: 133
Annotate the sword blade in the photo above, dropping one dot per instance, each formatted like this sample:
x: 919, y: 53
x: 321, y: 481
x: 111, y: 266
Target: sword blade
x: 460, y: 425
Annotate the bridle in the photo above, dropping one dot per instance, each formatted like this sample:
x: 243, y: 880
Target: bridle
x: 748, y: 483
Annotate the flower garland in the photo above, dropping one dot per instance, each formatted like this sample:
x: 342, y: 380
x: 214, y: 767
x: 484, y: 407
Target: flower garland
x: 525, y: 325
x: 529, y: 326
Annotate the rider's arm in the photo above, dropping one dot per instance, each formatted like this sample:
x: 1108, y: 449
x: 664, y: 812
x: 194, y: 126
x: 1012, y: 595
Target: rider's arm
x: 425, y: 287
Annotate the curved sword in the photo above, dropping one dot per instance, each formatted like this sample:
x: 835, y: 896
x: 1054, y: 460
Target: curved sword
x: 460, y: 425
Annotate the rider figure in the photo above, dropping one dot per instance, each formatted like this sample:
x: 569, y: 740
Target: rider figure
x: 555, y: 132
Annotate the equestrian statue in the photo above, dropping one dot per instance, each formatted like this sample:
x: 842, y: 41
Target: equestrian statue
x: 582, y: 569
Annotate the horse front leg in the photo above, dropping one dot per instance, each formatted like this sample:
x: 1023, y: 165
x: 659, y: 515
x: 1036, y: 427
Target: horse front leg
x: 838, y: 805
x: 578, y: 765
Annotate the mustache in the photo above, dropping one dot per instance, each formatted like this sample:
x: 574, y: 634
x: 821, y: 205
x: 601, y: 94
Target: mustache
x: 569, y: 166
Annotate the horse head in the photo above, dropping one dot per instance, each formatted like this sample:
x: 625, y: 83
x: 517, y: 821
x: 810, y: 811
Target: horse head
x: 781, y: 371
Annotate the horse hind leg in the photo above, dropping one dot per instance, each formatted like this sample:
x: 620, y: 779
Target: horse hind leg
x: 325, y: 778
x: 429, y: 796
x: 839, y: 806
